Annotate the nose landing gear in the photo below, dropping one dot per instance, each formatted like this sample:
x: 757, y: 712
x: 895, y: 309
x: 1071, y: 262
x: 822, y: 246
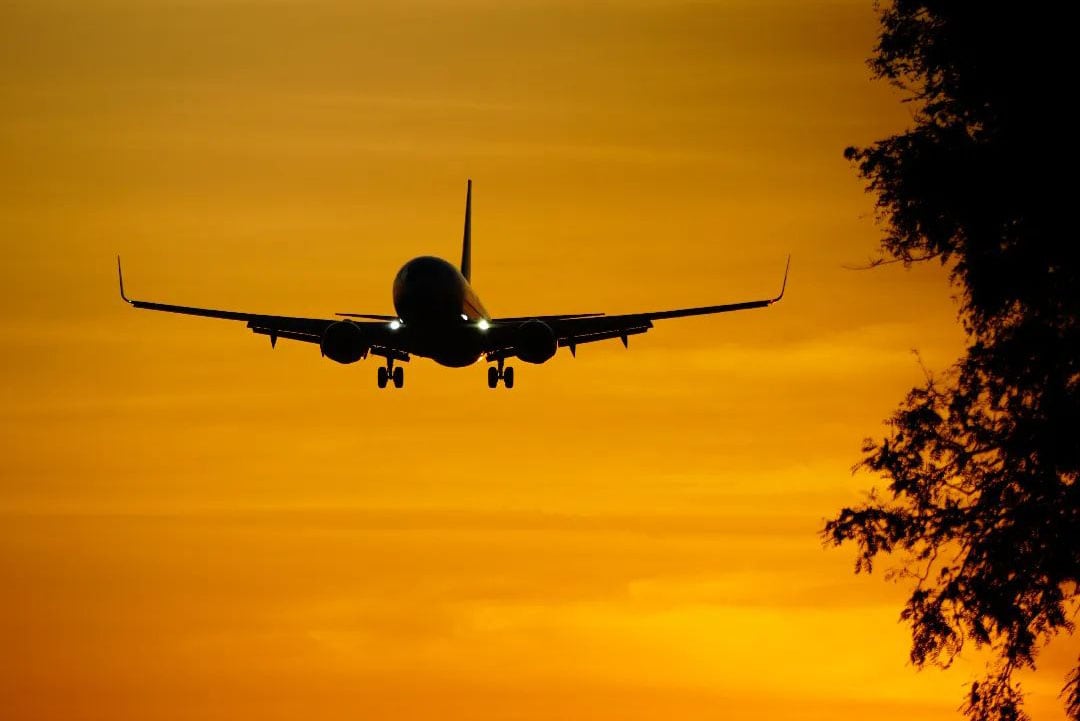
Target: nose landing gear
x: 389, y: 373
x: 497, y: 374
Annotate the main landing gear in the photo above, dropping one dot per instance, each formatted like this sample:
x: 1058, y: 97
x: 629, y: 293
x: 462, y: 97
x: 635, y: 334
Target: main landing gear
x: 495, y: 374
x: 390, y: 373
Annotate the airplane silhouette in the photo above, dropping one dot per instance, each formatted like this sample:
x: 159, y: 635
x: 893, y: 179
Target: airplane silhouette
x: 440, y: 316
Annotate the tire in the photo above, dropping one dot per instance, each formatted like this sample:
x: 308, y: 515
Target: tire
x: 382, y: 377
x: 493, y: 377
x: 508, y: 377
x: 399, y: 377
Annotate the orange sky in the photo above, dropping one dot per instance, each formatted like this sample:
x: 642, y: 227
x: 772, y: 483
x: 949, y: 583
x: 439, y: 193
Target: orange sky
x: 194, y: 526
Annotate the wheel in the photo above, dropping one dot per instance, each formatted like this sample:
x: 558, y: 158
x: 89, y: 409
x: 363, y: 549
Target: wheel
x: 493, y: 377
x: 382, y: 377
x: 399, y: 377
x: 508, y: 377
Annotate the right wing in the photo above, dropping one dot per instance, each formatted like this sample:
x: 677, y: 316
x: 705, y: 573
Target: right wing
x: 573, y: 330
x: 306, y: 330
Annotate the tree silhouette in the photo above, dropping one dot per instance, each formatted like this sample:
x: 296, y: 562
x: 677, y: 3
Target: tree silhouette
x: 982, y: 507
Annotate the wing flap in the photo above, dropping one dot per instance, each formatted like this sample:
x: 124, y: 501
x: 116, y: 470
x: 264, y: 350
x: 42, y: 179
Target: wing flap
x: 276, y: 333
x: 574, y: 340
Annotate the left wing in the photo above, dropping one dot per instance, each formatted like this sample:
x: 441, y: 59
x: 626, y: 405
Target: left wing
x: 573, y: 330
x: 307, y: 330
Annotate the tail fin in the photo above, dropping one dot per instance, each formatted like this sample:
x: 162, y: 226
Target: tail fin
x: 466, y: 244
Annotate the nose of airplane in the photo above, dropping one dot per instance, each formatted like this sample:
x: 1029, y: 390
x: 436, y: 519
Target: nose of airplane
x: 428, y: 289
x: 425, y: 273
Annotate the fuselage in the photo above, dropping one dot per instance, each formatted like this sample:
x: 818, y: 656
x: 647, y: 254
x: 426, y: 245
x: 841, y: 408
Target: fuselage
x: 440, y: 312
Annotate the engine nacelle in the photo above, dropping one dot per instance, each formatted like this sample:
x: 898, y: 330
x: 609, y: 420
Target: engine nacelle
x: 535, y: 341
x: 344, y: 342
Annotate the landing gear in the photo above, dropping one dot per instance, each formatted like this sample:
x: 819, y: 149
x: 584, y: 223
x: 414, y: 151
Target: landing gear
x: 496, y: 374
x: 389, y: 373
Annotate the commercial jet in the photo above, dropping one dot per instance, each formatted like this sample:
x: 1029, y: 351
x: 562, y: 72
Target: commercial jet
x: 439, y: 316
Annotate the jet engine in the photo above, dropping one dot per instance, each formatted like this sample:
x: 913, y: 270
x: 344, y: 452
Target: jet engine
x: 344, y: 342
x: 535, y: 341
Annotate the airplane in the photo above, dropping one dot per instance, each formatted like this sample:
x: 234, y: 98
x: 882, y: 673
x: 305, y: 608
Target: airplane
x: 439, y: 316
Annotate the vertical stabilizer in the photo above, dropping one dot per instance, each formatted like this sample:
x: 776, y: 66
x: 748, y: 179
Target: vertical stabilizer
x: 466, y: 243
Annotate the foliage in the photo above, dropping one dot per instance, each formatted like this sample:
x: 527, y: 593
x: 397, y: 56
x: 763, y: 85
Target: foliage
x: 982, y: 510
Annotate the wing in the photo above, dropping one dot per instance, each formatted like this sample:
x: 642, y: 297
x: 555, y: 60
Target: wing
x: 574, y: 330
x: 307, y: 330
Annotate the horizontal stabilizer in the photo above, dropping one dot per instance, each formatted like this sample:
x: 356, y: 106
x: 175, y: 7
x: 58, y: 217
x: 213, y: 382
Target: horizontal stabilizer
x: 368, y: 316
x: 564, y: 316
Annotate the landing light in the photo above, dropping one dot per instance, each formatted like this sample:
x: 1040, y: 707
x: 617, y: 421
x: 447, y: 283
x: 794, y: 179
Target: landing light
x: 483, y: 324
x: 395, y: 324
x: 464, y: 317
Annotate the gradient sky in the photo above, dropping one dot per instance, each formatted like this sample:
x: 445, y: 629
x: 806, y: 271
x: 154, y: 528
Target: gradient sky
x: 195, y: 526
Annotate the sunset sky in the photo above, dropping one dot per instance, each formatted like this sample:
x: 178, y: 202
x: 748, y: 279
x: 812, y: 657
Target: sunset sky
x: 195, y: 526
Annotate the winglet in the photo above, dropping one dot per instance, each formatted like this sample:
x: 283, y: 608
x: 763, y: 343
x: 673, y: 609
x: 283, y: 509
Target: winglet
x: 120, y: 273
x: 783, y: 286
x: 466, y: 243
